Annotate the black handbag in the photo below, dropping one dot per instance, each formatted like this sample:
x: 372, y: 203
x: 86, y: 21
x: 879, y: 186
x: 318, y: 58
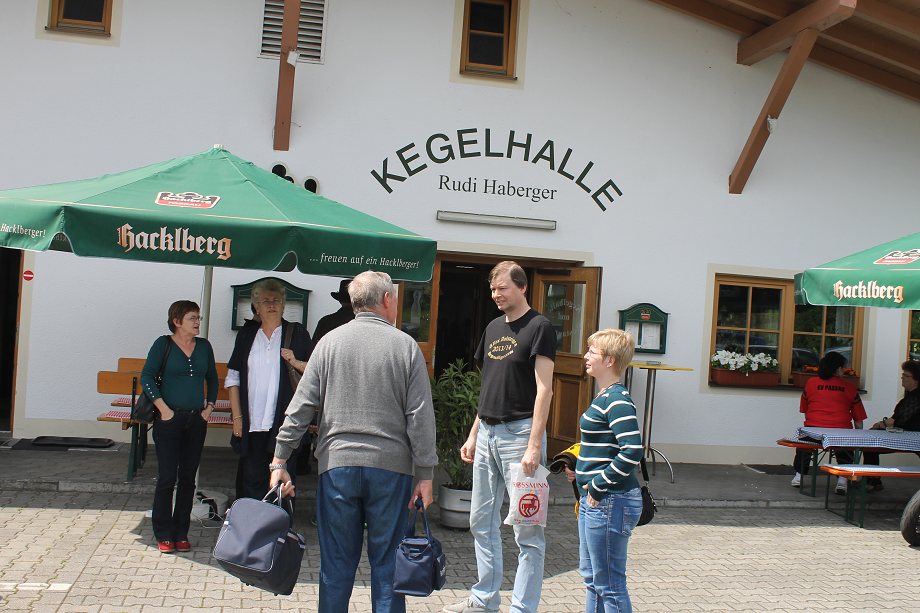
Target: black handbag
x: 648, y: 503
x: 421, y: 566
x: 257, y: 544
x: 142, y: 409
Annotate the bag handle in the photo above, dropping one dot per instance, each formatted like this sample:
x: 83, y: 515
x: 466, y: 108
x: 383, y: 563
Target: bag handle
x: 279, y: 501
x: 159, y: 378
x: 286, y: 344
x: 644, y: 470
x: 410, y: 529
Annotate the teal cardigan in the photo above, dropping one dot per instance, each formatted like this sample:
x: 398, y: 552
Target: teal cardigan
x: 184, y: 377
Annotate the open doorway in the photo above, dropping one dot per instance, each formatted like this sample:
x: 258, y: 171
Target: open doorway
x: 10, y: 275
x: 448, y: 315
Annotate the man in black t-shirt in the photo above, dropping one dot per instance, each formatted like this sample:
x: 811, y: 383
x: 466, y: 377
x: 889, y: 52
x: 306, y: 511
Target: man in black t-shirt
x: 517, y: 352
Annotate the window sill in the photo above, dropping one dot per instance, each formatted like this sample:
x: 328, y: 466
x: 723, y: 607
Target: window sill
x: 491, y: 75
x: 781, y: 386
x: 79, y: 31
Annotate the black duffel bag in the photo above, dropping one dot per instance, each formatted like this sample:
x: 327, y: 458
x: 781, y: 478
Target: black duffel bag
x: 258, y: 545
x: 421, y: 566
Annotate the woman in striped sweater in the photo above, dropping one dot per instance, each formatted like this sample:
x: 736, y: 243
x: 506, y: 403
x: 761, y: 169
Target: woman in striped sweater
x: 611, y: 447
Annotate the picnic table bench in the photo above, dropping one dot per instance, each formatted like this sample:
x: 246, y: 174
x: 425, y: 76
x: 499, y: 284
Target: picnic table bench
x: 126, y: 383
x: 818, y: 453
x: 853, y: 472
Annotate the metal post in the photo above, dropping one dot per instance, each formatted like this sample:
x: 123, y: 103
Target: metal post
x: 206, y: 301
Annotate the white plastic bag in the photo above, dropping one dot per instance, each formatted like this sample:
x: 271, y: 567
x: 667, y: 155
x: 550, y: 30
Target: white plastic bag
x: 529, y: 497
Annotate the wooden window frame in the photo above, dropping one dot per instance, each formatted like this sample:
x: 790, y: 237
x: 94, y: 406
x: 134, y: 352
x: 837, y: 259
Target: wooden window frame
x: 510, y: 35
x: 57, y: 22
x: 787, y: 322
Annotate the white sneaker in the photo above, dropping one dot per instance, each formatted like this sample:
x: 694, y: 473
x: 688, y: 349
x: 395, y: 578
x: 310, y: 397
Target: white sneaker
x: 797, y: 480
x: 470, y: 605
x: 841, y: 488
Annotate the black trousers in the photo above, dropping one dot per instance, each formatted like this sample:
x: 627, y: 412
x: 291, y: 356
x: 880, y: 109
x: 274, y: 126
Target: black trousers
x: 256, y: 476
x: 802, y: 462
x: 178, y: 443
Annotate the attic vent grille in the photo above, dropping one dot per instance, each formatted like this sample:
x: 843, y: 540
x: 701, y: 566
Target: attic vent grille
x: 309, y: 31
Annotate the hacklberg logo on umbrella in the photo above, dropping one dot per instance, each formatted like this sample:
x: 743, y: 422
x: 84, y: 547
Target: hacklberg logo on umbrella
x: 180, y: 240
x: 869, y: 290
x: 192, y: 199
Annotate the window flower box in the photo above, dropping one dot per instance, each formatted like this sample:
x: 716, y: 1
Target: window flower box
x: 800, y: 379
x: 724, y: 376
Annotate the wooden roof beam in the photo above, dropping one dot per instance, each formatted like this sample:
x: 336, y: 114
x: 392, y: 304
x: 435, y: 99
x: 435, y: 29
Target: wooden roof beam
x: 893, y: 53
x: 717, y: 16
x: 284, y: 104
x: 817, y: 16
x: 782, y: 87
x: 865, y: 73
x: 890, y: 18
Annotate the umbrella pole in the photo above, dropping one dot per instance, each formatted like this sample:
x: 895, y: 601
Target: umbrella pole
x: 206, y: 300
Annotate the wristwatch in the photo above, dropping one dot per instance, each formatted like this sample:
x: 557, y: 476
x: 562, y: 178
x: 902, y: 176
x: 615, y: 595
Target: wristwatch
x: 274, y: 467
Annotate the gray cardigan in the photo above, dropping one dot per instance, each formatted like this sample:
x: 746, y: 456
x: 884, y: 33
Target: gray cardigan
x: 370, y: 382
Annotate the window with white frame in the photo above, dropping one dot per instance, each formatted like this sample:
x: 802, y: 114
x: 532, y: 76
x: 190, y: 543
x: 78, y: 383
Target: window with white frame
x: 310, y: 29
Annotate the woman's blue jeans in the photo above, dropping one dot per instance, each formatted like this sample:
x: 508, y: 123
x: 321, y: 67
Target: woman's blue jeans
x: 603, y: 535
x: 178, y: 444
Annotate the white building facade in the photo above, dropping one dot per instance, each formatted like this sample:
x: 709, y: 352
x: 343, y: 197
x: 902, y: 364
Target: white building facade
x: 621, y: 123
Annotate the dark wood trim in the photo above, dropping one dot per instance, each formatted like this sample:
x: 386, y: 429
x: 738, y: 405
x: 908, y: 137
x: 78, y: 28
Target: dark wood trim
x: 866, y: 73
x: 820, y: 15
x: 285, y: 101
x: 57, y: 23
x: 782, y: 87
x: 510, y: 43
x: 890, y: 18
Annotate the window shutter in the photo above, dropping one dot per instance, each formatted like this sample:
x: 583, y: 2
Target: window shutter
x: 309, y: 30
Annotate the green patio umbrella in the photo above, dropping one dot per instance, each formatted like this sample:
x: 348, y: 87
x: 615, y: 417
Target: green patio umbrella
x: 210, y: 209
x: 884, y: 276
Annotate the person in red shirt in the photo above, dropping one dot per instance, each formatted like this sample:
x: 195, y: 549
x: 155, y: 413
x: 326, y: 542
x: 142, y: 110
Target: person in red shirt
x: 829, y: 402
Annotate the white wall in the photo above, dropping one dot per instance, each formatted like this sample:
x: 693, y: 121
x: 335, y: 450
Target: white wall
x: 652, y: 97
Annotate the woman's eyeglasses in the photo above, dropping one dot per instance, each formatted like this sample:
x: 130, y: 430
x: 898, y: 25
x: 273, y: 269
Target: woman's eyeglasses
x: 272, y: 302
x: 194, y: 318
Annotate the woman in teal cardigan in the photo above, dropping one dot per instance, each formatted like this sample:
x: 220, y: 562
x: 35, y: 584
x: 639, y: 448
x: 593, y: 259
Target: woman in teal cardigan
x: 181, y: 421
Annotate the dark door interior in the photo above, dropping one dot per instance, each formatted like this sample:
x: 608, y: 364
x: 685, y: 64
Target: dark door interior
x: 10, y: 263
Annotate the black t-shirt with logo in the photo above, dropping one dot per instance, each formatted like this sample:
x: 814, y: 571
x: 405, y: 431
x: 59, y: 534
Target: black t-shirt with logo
x: 508, y: 352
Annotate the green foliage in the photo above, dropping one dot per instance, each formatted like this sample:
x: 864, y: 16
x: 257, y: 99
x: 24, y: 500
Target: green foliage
x: 456, y: 400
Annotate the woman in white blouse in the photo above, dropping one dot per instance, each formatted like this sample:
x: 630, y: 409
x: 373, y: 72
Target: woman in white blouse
x: 260, y: 385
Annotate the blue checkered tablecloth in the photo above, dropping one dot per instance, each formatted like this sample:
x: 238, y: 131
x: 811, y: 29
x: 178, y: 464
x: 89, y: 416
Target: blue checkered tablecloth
x: 865, y: 439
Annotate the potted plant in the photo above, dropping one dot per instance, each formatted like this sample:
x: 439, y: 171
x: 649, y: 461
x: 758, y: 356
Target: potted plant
x: 800, y: 377
x: 456, y: 399
x: 731, y: 368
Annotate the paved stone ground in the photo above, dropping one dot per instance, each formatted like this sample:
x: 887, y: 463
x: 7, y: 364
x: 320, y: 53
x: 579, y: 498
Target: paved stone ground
x: 92, y: 552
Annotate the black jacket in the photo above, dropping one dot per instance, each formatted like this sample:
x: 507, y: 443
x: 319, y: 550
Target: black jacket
x: 302, y: 347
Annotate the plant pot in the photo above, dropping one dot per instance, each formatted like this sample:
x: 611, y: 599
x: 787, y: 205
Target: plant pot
x: 455, y: 507
x: 724, y: 376
x: 800, y: 379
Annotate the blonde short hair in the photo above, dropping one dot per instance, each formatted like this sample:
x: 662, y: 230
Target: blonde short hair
x: 269, y: 285
x: 617, y: 344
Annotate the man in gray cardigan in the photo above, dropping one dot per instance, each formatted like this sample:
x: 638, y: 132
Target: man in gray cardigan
x: 369, y: 383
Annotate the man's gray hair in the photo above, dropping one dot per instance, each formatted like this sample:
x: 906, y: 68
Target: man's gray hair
x: 367, y: 290
x: 268, y: 285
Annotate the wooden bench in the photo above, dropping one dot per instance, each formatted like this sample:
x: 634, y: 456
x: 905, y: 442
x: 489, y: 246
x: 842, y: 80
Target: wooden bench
x: 853, y: 472
x: 818, y: 453
x: 126, y: 383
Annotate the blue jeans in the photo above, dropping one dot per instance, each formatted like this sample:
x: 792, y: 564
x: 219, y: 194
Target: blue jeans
x: 497, y: 447
x: 603, y: 536
x: 178, y: 443
x: 346, y: 499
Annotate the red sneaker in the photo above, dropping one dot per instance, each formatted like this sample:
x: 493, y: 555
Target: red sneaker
x: 183, y: 546
x: 166, y: 546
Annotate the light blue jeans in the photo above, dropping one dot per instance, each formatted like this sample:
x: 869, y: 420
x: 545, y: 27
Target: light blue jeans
x: 603, y: 536
x: 497, y: 447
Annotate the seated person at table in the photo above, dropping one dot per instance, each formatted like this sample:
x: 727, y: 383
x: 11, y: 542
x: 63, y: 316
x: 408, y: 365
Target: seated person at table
x: 906, y: 415
x: 829, y: 402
